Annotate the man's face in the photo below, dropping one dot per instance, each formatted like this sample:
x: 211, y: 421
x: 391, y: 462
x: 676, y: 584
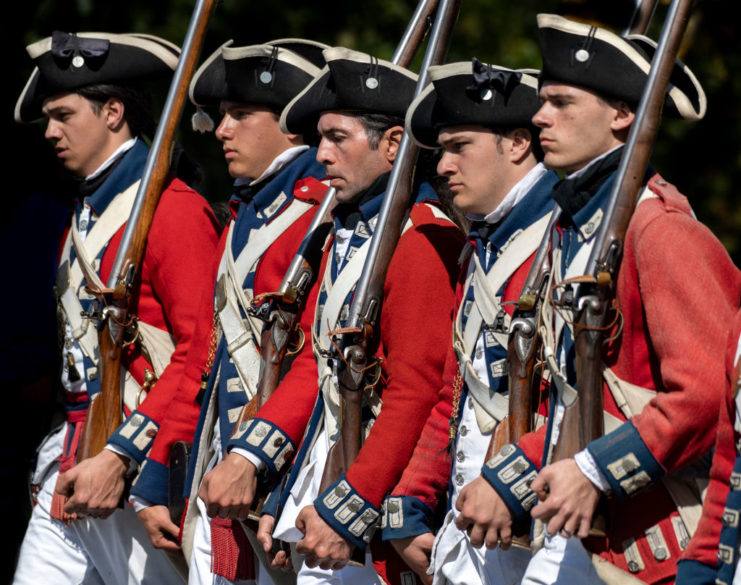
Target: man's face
x: 81, y: 138
x: 476, y: 167
x: 576, y: 126
x: 344, y: 150
x: 251, y: 138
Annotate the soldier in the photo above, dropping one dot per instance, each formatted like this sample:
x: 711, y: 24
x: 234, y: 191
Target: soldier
x: 662, y: 372
x: 87, y: 85
x: 357, y: 104
x: 277, y: 186
x: 480, y: 115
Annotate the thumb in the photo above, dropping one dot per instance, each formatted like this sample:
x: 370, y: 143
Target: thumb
x: 301, y: 522
x: 540, y: 484
x: 65, y: 483
x: 264, y: 532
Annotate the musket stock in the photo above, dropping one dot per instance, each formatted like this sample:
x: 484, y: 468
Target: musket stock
x: 100, y: 422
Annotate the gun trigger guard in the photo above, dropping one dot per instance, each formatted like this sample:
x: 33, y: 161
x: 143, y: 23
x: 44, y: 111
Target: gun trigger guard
x: 298, y: 346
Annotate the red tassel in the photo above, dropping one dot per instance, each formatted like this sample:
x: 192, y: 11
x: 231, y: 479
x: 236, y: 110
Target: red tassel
x: 231, y: 553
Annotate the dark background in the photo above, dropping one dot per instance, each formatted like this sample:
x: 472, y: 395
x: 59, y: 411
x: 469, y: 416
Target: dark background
x: 703, y: 158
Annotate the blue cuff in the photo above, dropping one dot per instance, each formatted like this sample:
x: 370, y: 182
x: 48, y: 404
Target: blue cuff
x: 266, y: 441
x: 152, y: 483
x: 690, y: 572
x: 510, y: 472
x: 405, y: 516
x: 135, y: 435
x: 348, y: 513
x: 625, y: 461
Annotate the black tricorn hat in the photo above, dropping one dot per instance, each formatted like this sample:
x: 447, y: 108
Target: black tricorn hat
x: 270, y: 74
x: 597, y: 59
x: 472, y: 93
x: 68, y: 61
x: 351, y: 81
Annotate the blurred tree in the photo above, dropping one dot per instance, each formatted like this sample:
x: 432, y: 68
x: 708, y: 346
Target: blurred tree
x: 703, y: 159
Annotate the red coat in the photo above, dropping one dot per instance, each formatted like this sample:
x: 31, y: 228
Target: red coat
x: 415, y: 328
x: 179, y: 248
x: 414, y: 333
x: 677, y: 290
x: 181, y: 421
x: 428, y: 474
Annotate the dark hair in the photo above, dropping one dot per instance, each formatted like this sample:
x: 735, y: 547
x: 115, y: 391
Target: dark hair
x: 376, y: 126
x: 137, y: 105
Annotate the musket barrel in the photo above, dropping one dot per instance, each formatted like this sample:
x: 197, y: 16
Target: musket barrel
x: 392, y: 212
x: 634, y: 160
x: 171, y: 113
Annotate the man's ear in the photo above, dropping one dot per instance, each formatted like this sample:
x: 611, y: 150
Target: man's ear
x: 624, y: 116
x: 390, y: 142
x: 521, y: 144
x: 113, y: 112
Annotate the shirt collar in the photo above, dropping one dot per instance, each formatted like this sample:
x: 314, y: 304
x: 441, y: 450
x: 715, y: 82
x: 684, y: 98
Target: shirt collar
x: 125, y: 147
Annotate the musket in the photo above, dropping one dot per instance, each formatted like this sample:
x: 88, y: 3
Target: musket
x: 641, y: 17
x: 105, y: 412
x: 524, y: 360
x: 282, y: 310
x: 524, y: 376
x: 356, y: 340
x: 583, y: 419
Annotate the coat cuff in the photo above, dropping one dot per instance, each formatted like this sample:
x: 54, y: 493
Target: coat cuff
x: 405, y: 516
x: 510, y: 472
x: 625, y: 461
x: 266, y: 441
x: 348, y: 513
x: 152, y: 483
x: 691, y: 572
x: 135, y: 436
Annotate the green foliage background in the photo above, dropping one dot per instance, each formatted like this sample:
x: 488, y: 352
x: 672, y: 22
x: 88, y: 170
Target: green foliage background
x: 703, y: 159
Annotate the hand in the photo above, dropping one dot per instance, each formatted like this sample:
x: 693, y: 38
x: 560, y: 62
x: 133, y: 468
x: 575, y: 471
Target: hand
x: 568, y: 499
x: 321, y: 545
x: 280, y: 560
x: 484, y: 515
x: 163, y: 533
x: 229, y: 488
x: 416, y: 552
x: 94, y: 487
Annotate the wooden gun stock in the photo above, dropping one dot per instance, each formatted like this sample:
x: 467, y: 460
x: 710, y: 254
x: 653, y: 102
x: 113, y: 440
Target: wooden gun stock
x: 105, y: 412
x: 345, y: 450
x: 523, y: 383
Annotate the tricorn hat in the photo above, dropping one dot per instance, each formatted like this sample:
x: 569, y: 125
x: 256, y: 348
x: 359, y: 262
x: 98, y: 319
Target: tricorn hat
x: 472, y: 93
x: 597, y: 59
x: 351, y: 81
x: 270, y: 73
x: 68, y: 61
